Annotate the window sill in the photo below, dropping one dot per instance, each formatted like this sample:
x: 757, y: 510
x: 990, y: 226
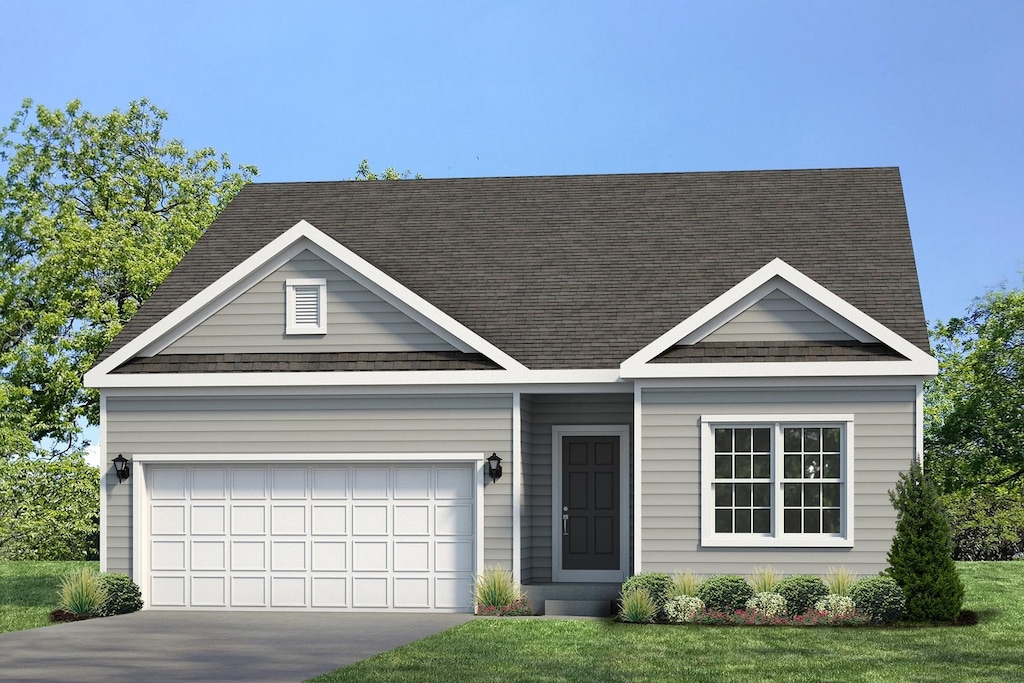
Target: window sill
x: 739, y: 541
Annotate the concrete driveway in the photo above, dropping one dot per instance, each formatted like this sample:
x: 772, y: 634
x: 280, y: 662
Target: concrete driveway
x: 209, y: 646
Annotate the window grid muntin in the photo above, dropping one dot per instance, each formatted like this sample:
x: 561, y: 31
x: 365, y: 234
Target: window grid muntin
x: 812, y: 498
x: 742, y: 481
x: 779, y: 480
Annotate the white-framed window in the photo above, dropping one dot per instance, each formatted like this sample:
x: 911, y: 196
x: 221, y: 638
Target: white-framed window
x: 777, y: 480
x: 306, y: 306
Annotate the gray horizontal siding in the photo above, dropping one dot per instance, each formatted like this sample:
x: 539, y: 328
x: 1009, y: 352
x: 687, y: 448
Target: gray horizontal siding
x: 304, y: 425
x: 546, y: 412
x: 357, y: 319
x: 884, y: 443
x: 777, y: 317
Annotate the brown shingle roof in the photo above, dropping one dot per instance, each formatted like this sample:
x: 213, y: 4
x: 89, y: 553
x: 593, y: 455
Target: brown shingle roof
x: 583, y: 271
x: 307, y: 362
x: 777, y: 352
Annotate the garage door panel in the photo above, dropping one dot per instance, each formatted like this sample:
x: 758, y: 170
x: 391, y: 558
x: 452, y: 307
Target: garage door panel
x: 209, y: 484
x: 370, y: 484
x: 167, y: 591
x: 248, y: 484
x: 248, y: 520
x: 330, y: 484
x: 248, y: 591
x: 288, y: 484
x: 412, y: 592
x: 166, y: 520
x: 208, y: 520
x: 369, y: 520
x: 320, y: 536
x: 288, y: 520
x: 330, y: 520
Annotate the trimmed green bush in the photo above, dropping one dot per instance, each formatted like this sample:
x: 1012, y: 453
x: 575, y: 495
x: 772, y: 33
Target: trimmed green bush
x: 835, y: 605
x: 921, y: 556
x: 725, y: 593
x: 801, y: 592
x: 767, y: 604
x: 123, y: 595
x: 637, y: 607
x: 880, y: 597
x: 657, y: 586
x: 683, y: 609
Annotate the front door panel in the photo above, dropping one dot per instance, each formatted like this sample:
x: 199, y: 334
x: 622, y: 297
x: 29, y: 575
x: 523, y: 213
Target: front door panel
x: 590, y: 502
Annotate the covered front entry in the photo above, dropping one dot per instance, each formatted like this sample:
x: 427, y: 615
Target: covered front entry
x: 590, y: 497
x: 361, y: 536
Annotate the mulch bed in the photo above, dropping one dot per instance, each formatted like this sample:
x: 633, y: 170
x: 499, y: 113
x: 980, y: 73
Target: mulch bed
x: 62, y: 615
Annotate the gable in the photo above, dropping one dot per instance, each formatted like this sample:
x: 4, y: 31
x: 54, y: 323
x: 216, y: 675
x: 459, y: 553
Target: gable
x: 777, y: 317
x: 358, y: 320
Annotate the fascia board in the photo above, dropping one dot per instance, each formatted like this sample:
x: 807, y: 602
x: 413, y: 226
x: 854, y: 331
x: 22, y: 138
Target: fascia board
x: 202, y: 304
x: 923, y: 367
x: 811, y: 294
x: 402, y: 378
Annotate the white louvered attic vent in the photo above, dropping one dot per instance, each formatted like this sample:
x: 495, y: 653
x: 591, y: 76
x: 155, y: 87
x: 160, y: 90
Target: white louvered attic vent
x: 307, y: 306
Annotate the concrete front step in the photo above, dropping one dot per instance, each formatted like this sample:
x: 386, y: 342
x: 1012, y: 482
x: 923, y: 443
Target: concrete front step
x: 578, y: 608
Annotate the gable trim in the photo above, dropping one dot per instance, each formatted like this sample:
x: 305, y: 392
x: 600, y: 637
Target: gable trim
x: 228, y: 286
x: 777, y: 274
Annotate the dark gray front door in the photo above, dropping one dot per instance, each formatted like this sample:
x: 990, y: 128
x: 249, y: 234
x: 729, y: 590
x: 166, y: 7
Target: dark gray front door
x: 590, y: 502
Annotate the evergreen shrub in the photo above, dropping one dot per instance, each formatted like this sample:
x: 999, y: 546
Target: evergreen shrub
x: 801, y: 592
x: 123, y: 595
x: 657, y: 586
x: 879, y: 597
x: 725, y: 593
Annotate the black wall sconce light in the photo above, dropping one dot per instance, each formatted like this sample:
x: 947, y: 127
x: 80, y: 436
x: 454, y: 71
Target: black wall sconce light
x: 494, y: 467
x: 122, y: 467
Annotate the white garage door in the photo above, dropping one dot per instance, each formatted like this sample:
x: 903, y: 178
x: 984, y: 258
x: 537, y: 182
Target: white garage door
x: 319, y: 536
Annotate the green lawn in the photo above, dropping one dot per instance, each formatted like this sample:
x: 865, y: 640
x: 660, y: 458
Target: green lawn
x: 549, y: 650
x: 28, y: 591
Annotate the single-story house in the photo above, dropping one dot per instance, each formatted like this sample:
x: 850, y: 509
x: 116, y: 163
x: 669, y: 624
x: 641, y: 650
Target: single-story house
x: 358, y: 395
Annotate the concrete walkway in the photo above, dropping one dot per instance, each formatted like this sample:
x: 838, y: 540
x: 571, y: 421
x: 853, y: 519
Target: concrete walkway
x: 209, y: 646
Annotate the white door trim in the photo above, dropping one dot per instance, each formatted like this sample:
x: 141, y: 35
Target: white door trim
x: 569, y: 575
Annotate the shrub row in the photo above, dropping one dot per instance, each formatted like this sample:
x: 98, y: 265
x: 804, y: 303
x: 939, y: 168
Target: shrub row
x: 729, y: 598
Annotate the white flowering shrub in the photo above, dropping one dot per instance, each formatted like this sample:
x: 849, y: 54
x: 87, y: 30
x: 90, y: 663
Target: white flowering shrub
x: 767, y: 605
x: 835, y: 605
x: 683, y: 608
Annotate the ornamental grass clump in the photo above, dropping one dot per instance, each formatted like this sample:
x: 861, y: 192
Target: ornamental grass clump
x: 81, y: 593
x: 683, y: 609
x: 768, y: 605
x: 764, y: 580
x: 725, y: 593
x: 801, y: 592
x: 495, y: 589
x: 684, y: 584
x: 839, y: 580
x: 656, y: 584
x: 637, y: 607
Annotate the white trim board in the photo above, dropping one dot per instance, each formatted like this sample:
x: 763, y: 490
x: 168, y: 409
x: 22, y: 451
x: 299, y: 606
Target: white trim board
x: 299, y: 237
x: 777, y: 274
x: 605, y: 575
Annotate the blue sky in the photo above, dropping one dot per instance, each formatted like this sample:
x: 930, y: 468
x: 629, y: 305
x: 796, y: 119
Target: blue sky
x: 305, y: 90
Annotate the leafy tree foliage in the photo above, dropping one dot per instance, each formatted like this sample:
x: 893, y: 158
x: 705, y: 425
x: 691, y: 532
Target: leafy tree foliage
x: 364, y: 172
x: 921, y: 556
x: 974, y: 409
x: 49, y: 509
x: 94, y: 213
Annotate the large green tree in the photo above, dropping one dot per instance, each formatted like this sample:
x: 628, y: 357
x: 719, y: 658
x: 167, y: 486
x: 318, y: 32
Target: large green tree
x: 974, y: 409
x: 49, y: 509
x: 95, y: 210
